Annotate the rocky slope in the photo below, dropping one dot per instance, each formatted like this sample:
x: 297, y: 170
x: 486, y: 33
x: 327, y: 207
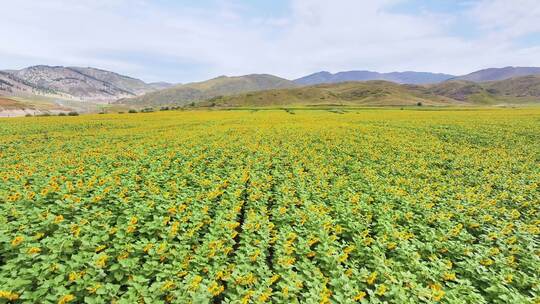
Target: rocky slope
x: 77, y: 83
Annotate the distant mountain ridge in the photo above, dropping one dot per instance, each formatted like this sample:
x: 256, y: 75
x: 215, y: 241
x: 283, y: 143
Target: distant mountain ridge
x: 75, y: 83
x: 520, y: 90
x: 199, y: 91
x: 495, y: 74
x: 408, y: 77
x: 91, y: 85
x: 161, y: 85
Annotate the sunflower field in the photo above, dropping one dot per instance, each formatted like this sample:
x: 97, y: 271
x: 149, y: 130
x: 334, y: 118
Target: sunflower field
x: 273, y: 206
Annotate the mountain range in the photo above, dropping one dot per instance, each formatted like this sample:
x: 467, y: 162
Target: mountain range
x: 80, y: 88
x: 227, y: 88
x: 520, y: 90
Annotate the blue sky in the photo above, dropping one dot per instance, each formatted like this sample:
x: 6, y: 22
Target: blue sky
x: 184, y: 41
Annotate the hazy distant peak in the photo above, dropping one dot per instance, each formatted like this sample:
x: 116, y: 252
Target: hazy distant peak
x: 408, y: 77
x: 493, y: 74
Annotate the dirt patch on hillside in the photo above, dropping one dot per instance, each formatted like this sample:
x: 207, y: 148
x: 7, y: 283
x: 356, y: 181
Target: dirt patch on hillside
x: 24, y: 112
x: 8, y: 103
x: 13, y: 108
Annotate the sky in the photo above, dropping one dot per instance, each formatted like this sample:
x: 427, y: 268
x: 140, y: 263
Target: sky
x: 183, y: 41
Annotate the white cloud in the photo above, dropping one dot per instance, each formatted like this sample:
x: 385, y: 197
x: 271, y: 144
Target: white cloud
x: 186, y: 42
x: 509, y: 18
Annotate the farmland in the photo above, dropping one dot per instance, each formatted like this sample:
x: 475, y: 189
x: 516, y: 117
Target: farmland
x: 269, y: 206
